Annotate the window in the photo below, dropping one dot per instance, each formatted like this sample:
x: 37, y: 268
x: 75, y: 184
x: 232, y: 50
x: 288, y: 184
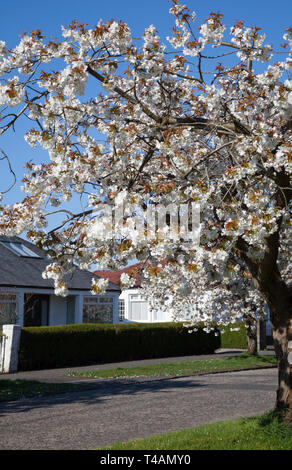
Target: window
x: 20, y: 249
x: 90, y: 300
x: 138, y: 308
x: 121, y: 310
x: 8, y: 308
x: 98, y: 309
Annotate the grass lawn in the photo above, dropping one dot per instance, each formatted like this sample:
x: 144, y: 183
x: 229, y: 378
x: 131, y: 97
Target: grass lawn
x: 15, y: 389
x: 242, y: 361
x: 255, y: 433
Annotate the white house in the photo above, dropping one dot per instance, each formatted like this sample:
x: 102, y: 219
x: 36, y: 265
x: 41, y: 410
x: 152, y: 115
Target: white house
x: 133, y: 307
x: 29, y: 300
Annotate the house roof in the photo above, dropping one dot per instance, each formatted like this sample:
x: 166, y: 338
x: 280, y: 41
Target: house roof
x: 21, y: 271
x: 133, y: 270
x: 114, y: 276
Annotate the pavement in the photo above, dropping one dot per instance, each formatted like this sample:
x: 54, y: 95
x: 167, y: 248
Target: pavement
x: 104, y: 411
x: 60, y: 375
x: 112, y: 411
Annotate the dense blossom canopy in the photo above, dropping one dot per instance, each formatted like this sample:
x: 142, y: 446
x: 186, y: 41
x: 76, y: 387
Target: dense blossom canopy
x: 205, y: 118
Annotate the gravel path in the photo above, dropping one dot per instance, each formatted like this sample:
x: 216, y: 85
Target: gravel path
x: 118, y: 411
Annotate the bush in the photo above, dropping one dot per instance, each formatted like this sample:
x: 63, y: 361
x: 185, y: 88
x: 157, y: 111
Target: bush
x: 234, y: 339
x: 73, y: 345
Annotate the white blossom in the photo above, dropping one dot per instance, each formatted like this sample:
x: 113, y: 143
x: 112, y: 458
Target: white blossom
x: 159, y: 130
x: 99, y: 286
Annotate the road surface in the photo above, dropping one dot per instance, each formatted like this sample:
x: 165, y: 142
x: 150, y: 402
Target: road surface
x: 116, y: 411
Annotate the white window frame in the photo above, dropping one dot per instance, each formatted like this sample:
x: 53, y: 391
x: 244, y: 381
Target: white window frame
x: 122, y: 307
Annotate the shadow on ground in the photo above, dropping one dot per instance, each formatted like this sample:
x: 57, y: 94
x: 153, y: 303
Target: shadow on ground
x: 95, y: 393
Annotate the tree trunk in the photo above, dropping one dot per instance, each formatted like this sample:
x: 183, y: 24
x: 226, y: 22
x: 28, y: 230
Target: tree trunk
x: 281, y: 319
x: 282, y: 336
x: 278, y: 295
x: 251, y: 336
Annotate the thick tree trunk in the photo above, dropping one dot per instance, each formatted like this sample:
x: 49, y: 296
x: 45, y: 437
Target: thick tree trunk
x: 281, y: 318
x: 278, y: 295
x: 282, y: 336
x: 267, y: 279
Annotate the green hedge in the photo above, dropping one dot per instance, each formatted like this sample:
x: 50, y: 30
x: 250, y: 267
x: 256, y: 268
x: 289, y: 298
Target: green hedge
x: 234, y: 339
x: 73, y: 345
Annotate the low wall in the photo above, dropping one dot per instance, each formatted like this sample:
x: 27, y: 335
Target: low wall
x: 10, y: 348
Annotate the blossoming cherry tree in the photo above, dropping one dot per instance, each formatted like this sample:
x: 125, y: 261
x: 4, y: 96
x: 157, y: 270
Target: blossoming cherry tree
x: 204, y: 118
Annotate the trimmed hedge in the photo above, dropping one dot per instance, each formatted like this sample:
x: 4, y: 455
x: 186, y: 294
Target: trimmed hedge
x: 84, y: 344
x: 234, y: 339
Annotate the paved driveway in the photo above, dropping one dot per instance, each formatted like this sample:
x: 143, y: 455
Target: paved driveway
x: 116, y: 411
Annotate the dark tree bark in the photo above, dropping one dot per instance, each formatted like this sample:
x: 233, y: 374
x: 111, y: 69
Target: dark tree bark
x: 251, y: 335
x: 278, y: 295
x: 279, y: 298
x: 281, y: 318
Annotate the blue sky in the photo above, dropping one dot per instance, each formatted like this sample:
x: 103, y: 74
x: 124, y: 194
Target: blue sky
x: 18, y: 16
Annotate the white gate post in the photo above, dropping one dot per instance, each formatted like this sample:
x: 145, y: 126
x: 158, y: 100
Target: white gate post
x: 10, y: 348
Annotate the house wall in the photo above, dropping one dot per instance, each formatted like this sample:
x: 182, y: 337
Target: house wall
x: 153, y: 316
x: 58, y: 305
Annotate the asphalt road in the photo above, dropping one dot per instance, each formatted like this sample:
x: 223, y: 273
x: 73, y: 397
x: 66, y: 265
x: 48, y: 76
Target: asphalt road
x: 119, y: 411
